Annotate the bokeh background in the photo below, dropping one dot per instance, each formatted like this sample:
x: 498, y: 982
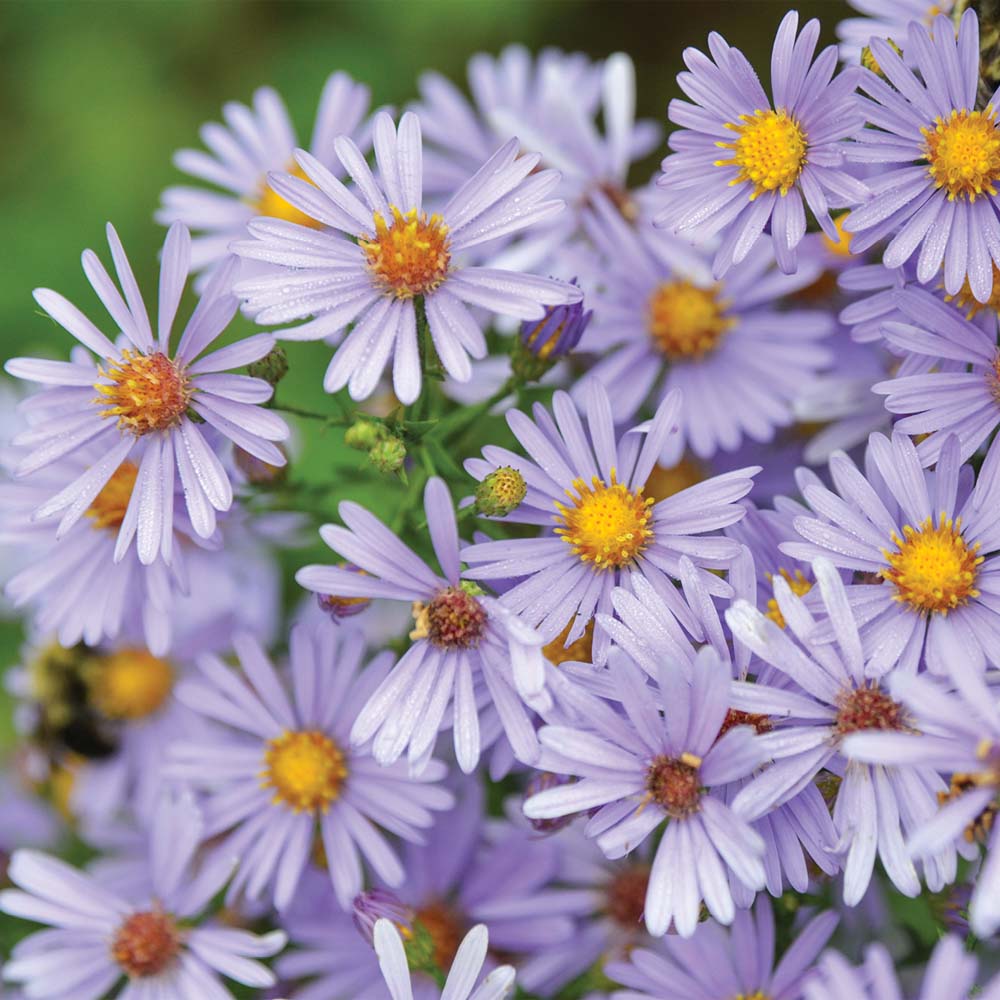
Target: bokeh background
x: 96, y: 96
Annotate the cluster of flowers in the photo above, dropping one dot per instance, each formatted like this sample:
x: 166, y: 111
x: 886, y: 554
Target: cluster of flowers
x: 714, y: 619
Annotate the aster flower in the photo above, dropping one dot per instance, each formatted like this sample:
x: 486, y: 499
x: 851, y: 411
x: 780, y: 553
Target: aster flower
x: 889, y: 19
x: 468, y: 647
x: 283, y: 777
x: 462, y: 977
x: 646, y: 769
x: 950, y: 975
x: 929, y: 541
x: 831, y: 694
x: 395, y: 254
x: 661, y: 323
x: 608, y: 533
x: 714, y: 963
x: 959, y: 735
x: 254, y: 141
x: 938, y: 403
x: 938, y: 158
x: 775, y: 159
x: 159, y: 944
x: 150, y: 398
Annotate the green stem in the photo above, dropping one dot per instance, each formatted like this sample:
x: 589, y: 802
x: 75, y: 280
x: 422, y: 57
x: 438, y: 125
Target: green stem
x: 326, y: 418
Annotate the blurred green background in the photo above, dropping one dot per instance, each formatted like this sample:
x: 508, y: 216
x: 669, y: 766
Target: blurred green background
x: 96, y: 96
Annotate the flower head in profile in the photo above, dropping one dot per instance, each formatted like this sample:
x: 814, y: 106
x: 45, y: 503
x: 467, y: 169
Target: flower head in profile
x: 468, y: 647
x: 382, y: 263
x: 283, y: 778
x: 938, y: 156
x: 253, y: 141
x: 145, y: 943
x: 742, y: 163
x: 646, y: 769
x: 586, y: 486
x: 145, y: 409
x: 929, y: 542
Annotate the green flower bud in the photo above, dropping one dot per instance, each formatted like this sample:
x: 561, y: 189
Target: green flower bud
x: 363, y: 435
x: 388, y: 454
x: 500, y: 492
x: 272, y: 368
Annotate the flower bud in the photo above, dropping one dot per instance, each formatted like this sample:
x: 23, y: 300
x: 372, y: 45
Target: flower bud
x: 388, y: 454
x: 338, y: 607
x: 363, y: 435
x: 371, y: 906
x: 272, y: 368
x: 500, y: 492
x: 542, y: 781
x: 542, y: 343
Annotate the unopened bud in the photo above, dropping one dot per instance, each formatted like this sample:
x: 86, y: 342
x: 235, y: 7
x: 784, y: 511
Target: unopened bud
x: 542, y: 343
x: 338, y: 607
x: 363, y: 435
x: 272, y: 368
x: 388, y: 454
x: 373, y: 905
x: 500, y: 492
x: 540, y: 782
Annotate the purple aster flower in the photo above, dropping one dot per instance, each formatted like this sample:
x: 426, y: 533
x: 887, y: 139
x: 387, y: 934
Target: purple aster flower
x: 646, y: 768
x: 661, y: 323
x: 283, y: 779
x: 938, y: 403
x: 950, y: 975
x: 716, y: 963
x: 468, y: 647
x: 253, y: 142
x: 890, y: 19
x: 384, y: 252
x: 741, y: 163
x: 959, y: 735
x: 822, y: 692
x: 150, y: 398
x: 927, y: 541
x: 159, y: 944
x: 462, y: 977
x: 608, y: 533
x: 938, y: 157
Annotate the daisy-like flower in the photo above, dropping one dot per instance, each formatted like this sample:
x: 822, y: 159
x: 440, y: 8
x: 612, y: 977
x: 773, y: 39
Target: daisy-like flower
x: 284, y: 778
x: 385, y: 256
x: 462, y: 977
x: 241, y: 153
x: 939, y: 159
x: 950, y: 975
x: 158, y: 945
x: 929, y: 542
x: 138, y: 404
x: 889, y: 19
x: 589, y: 485
x: 938, y: 403
x: 646, y: 768
x: 662, y: 323
x: 824, y: 692
x: 468, y: 647
x: 959, y: 735
x: 741, y: 162
x: 716, y: 963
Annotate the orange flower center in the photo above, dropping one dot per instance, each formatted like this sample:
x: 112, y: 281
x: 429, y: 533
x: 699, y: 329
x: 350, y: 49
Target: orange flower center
x: 108, y: 508
x: 685, y: 321
x: 269, y: 202
x: 146, y: 943
x: 146, y: 392
x: 410, y: 255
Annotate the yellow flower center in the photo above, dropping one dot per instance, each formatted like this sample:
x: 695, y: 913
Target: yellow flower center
x: 798, y: 584
x: 969, y: 304
x: 663, y: 483
x: 130, y: 684
x: 306, y: 769
x: 146, y: 943
x: 963, y: 153
x: 756, y: 995
x: 686, y: 321
x: 147, y: 392
x: 606, y: 525
x: 933, y: 569
x: 841, y: 246
x: 978, y: 831
x: 770, y: 151
x: 108, y: 508
x: 411, y: 255
x: 269, y: 202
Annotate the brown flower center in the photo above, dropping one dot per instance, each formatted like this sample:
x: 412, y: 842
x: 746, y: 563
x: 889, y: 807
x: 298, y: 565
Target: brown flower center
x: 146, y: 943
x: 626, y: 900
x: 454, y: 619
x: 674, y: 783
x: 868, y: 708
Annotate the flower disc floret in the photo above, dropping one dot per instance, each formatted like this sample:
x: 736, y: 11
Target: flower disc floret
x: 933, y: 569
x: 410, y: 255
x: 867, y: 708
x: 146, y: 943
x: 145, y: 392
x: 306, y: 769
x: 607, y: 525
x: 453, y: 619
x: 963, y: 153
x: 686, y: 321
x: 770, y: 151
